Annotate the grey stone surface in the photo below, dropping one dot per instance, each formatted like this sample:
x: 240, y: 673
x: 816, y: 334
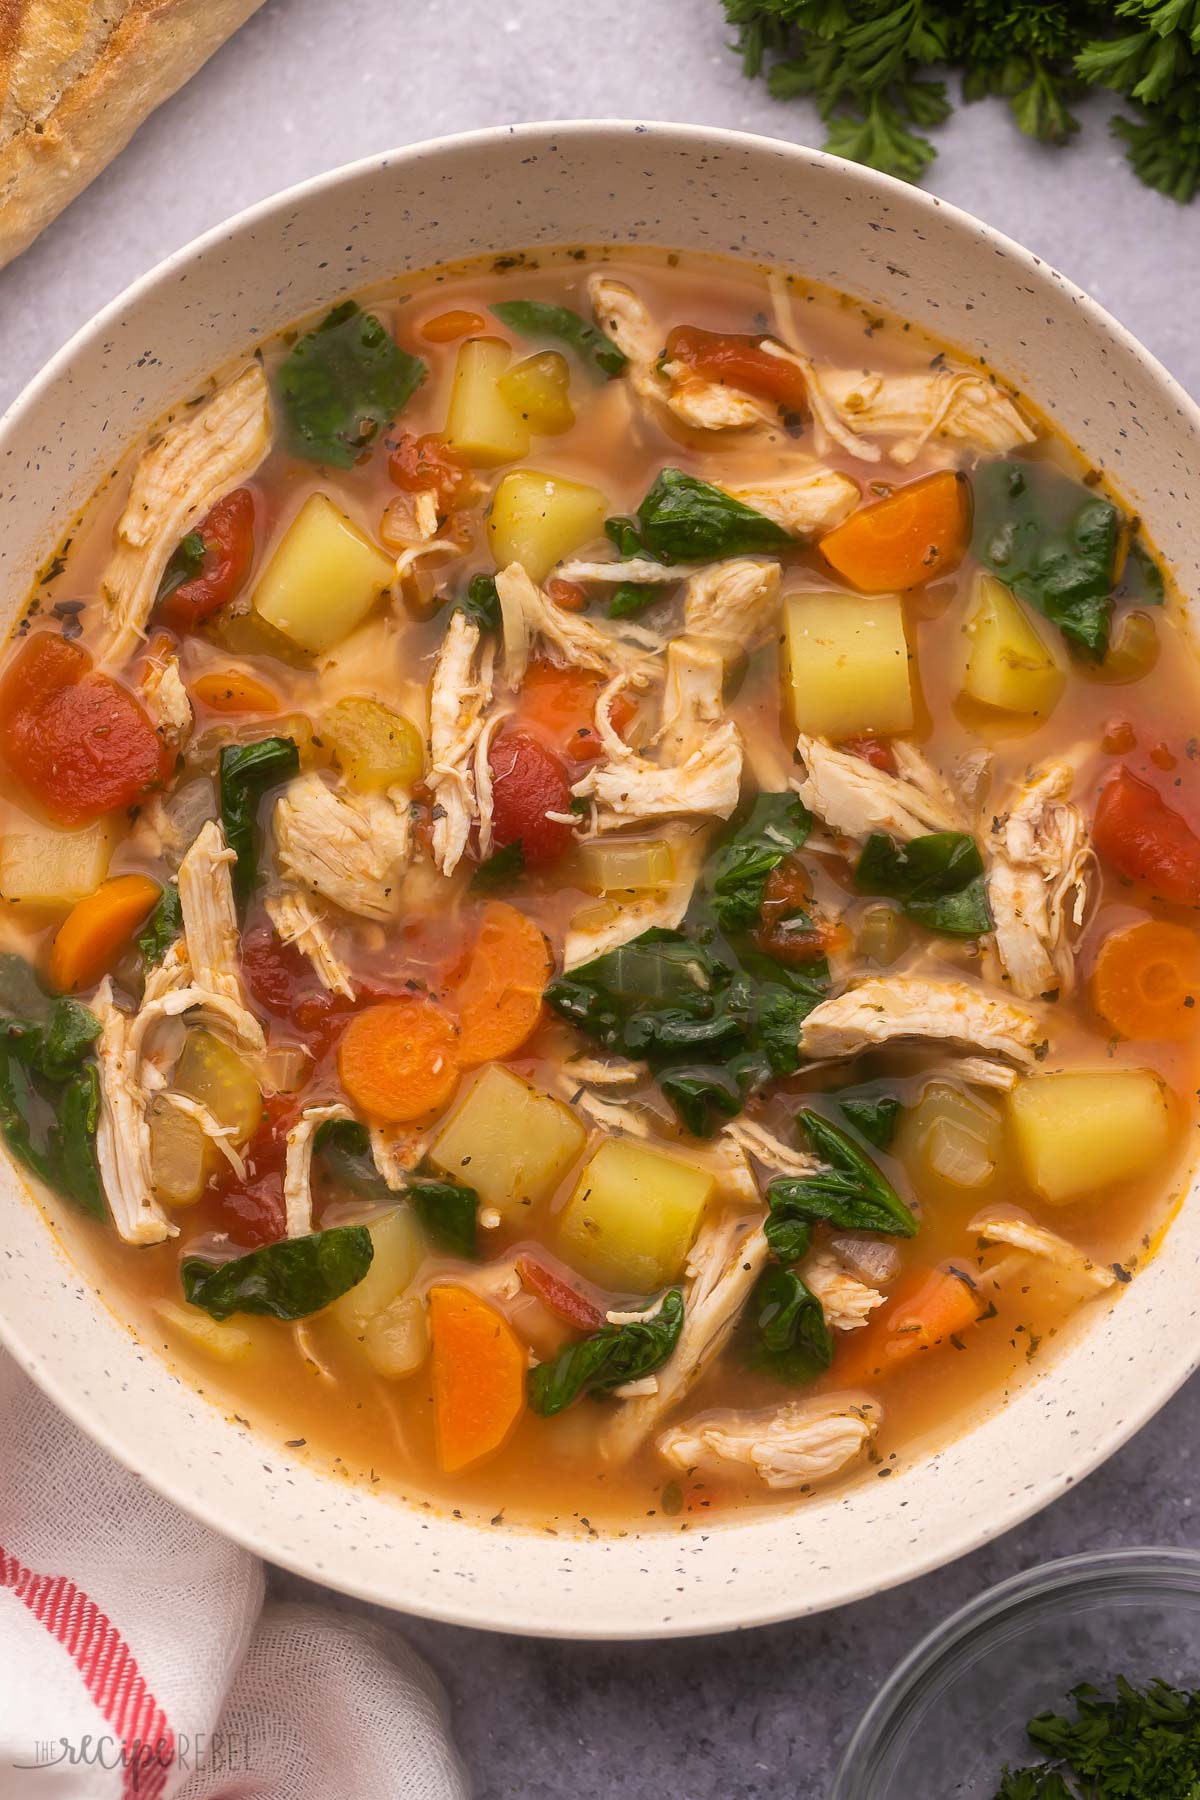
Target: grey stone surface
x: 312, y: 83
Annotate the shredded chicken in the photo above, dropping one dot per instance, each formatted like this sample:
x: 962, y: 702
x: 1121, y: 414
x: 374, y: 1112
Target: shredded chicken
x: 218, y: 1134
x: 396, y: 1151
x: 692, y: 698
x: 767, y: 1149
x: 1038, y: 857
x: 226, y: 1017
x: 210, y: 926
x: 640, y: 570
x: 736, y: 603
x: 792, y: 1446
x: 706, y: 405
x: 978, y: 1071
x: 637, y: 912
x: 122, y: 1131
x: 855, y: 798
x: 297, y: 921
x: 887, y: 1007
x: 195, y: 463
x: 350, y: 849
x: 297, y: 1168
x: 459, y: 697
x: 846, y: 1302
x: 805, y: 505
x: 1023, y: 1234
x: 528, y: 618
x: 167, y: 701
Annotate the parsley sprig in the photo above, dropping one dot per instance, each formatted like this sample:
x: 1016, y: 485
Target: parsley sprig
x: 1142, y: 1741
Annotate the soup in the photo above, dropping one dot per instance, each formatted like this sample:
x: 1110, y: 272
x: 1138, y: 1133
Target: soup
x: 599, y: 889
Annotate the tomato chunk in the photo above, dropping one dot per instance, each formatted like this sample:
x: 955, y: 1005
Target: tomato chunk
x: 251, y: 1207
x: 559, y: 707
x: 564, y: 1301
x: 874, y: 750
x: 528, y: 781
x: 418, y: 463
x: 228, y: 533
x: 78, y: 741
x: 1146, y: 840
x: 740, y: 362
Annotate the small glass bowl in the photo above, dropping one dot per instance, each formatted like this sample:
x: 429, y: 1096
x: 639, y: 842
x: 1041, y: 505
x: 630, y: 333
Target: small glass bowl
x: 953, y: 1712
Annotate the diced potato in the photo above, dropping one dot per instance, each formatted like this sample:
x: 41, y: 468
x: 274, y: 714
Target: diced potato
x: 624, y: 865
x: 396, y: 1340
x: 220, y: 1338
x: 510, y: 1143
x: 539, y: 391
x: 214, y: 1074
x: 376, y: 747
x: 45, y: 867
x: 1087, y: 1129
x: 538, y: 519
x: 181, y: 1156
x: 1010, y: 665
x: 323, y: 578
x: 951, y: 1142
x: 848, y: 664
x: 480, y: 426
x: 633, y: 1215
x: 399, y: 1245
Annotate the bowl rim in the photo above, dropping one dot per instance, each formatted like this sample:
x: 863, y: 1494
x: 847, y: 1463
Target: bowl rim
x: 1046, y: 1486
x: 1155, y: 1570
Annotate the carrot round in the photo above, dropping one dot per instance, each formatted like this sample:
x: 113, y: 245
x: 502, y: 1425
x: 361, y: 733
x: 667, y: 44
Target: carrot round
x: 933, y: 1306
x: 234, y: 691
x: 479, y: 1367
x: 917, y: 533
x: 397, y: 1060
x: 499, y: 1000
x: 1146, y: 982
x: 97, y: 929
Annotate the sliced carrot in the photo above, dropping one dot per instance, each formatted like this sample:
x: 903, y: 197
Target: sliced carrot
x: 97, y: 929
x: 397, y: 1060
x: 234, y: 691
x: 1147, y: 980
x: 444, y: 327
x: 917, y: 533
x: 933, y: 1306
x: 499, y: 1000
x: 479, y: 1367
x: 559, y: 706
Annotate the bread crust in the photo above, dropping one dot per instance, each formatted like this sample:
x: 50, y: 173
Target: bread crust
x: 76, y: 81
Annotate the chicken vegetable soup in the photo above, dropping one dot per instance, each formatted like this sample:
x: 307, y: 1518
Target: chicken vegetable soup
x: 599, y: 888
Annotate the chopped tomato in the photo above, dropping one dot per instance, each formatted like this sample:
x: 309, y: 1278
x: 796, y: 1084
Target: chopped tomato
x: 874, y: 750
x: 418, y: 463
x: 228, y: 533
x: 559, y: 705
x: 78, y: 741
x: 251, y: 1207
x: 282, y: 981
x: 563, y: 1300
x: 1146, y: 840
x: 786, y: 932
x: 529, y: 781
x: 1119, y: 738
x: 739, y: 362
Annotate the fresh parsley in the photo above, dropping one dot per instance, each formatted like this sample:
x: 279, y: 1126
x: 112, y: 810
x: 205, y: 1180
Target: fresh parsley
x: 341, y: 383
x: 1141, y: 1741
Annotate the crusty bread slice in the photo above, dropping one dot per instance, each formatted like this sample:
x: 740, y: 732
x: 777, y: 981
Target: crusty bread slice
x: 77, y: 77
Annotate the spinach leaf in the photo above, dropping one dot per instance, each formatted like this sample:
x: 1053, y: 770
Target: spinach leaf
x: 540, y: 319
x: 481, y: 602
x: 186, y: 561
x: 162, y: 927
x: 683, y: 519
x: 21, y: 994
x: 938, y: 879
x: 449, y: 1211
x: 341, y: 382
x: 18, y: 1111
x: 629, y: 598
x: 344, y: 1145
x: 852, y: 1193
x: 69, y: 1034
x: 793, y: 1341
x: 622, y: 534
x: 49, y: 1091
x: 246, y: 772
x: 71, y: 1144
x: 736, y: 874
x: 287, y: 1280
x: 610, y: 1356
x: 873, y: 1116
x: 500, y: 869
x: 1142, y: 579
x: 1053, y: 542
x: 704, y: 1093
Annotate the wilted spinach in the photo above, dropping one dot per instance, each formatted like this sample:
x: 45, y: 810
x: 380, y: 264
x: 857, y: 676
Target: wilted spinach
x: 246, y: 771
x: 287, y: 1280
x: 852, y: 1193
x: 683, y: 519
x: 341, y: 383
x: 609, y: 1357
x: 481, y: 602
x: 186, y: 561
x: 499, y: 870
x: 161, y: 928
x: 540, y: 319
x: 735, y: 876
x: 792, y: 1340
x: 49, y: 1088
x: 938, y: 879
x: 873, y: 1116
x: 448, y: 1210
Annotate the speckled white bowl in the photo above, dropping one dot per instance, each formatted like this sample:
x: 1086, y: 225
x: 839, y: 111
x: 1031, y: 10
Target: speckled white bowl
x: 502, y: 190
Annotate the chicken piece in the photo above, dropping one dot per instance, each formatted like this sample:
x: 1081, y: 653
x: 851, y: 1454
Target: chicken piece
x: 227, y: 1017
x: 767, y: 1149
x: 692, y: 701
x: 711, y: 405
x: 1038, y: 855
x: 854, y: 798
x: 792, y: 1446
x: 952, y: 407
x: 976, y: 1071
x: 724, y: 1263
x: 297, y: 1168
x: 886, y: 1007
x: 167, y: 701
x: 846, y: 1302
x: 640, y: 570
x: 735, y: 602
x: 350, y: 849
x: 637, y: 913
x: 705, y: 405
x: 459, y: 697
x: 122, y: 1131
x: 297, y: 921
x: 1023, y: 1234
x: 195, y: 463
x: 805, y: 505
x: 873, y: 1260
x: 568, y: 639
x: 396, y: 1151
x: 485, y: 803
x: 210, y: 926
x: 218, y: 1134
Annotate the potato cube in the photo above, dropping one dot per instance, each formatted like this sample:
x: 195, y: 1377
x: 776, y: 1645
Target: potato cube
x: 399, y: 1245
x: 212, y: 1073
x: 539, y: 391
x: 481, y: 426
x: 1086, y: 1129
x: 633, y: 1215
x: 510, y: 1143
x: 323, y: 578
x: 848, y: 664
x: 219, y: 1338
x: 1010, y: 666
x: 46, y: 867
x: 538, y: 519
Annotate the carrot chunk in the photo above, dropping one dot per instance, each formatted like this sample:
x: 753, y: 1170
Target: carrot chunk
x: 478, y: 1376
x: 397, y: 1060
x: 499, y: 1000
x: 933, y: 1306
x: 97, y: 929
x: 1147, y: 980
x: 234, y: 691
x: 919, y: 532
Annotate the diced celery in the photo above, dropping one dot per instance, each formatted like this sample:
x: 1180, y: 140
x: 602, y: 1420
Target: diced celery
x: 620, y: 865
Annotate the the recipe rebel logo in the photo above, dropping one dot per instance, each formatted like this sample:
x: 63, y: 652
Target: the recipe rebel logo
x: 146, y: 1763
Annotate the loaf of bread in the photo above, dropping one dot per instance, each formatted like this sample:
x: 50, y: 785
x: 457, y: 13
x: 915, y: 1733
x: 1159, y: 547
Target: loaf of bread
x: 77, y: 77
